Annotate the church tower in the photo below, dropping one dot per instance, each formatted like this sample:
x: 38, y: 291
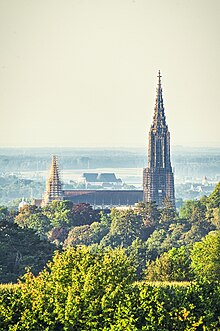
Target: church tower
x: 158, y: 181
x: 54, y: 185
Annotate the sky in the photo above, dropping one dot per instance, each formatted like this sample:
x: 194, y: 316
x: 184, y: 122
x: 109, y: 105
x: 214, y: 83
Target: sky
x: 83, y: 73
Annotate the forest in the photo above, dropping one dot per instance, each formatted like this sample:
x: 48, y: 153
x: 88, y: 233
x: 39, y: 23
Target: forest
x: 69, y: 267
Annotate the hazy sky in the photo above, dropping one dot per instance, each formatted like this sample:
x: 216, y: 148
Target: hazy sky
x: 84, y: 73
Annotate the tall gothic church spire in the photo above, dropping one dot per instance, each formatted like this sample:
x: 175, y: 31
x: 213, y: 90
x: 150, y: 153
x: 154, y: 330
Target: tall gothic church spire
x: 54, y: 185
x: 159, y: 120
x: 158, y: 181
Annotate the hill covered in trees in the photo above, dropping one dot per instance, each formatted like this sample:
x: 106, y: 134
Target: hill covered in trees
x: 29, y: 237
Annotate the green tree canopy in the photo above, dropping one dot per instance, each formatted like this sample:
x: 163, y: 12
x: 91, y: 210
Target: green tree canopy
x: 126, y: 226
x: 80, y: 290
x: 149, y: 213
x: 168, y: 213
x: 214, y: 198
x: 173, y: 265
x: 206, y: 257
x: 21, y: 248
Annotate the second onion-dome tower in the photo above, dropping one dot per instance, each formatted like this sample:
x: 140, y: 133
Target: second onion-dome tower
x: 158, y: 181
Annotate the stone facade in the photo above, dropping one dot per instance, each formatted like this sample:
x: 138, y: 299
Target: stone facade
x: 158, y: 181
x: 53, y: 185
x: 105, y: 199
x: 99, y: 199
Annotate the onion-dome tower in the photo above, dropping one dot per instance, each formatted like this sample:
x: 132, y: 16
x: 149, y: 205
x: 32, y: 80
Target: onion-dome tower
x: 54, y: 185
x: 158, y: 181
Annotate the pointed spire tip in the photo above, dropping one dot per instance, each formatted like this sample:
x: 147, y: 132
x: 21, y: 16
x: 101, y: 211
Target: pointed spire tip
x: 159, y: 77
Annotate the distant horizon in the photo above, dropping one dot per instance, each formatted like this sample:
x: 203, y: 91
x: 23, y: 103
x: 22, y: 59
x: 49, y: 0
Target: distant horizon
x: 84, y: 73
x: 207, y: 145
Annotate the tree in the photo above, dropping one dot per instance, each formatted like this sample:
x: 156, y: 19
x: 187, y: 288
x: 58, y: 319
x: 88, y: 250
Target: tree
x: 83, y: 214
x: 137, y: 251
x: 88, y: 234
x: 126, y: 226
x: 3, y: 212
x: 149, y: 213
x: 33, y: 217
x: 214, y: 217
x: 24, y: 214
x: 206, y: 257
x: 213, y: 207
x: 173, y: 265
x: 196, y: 214
x: 194, y: 211
x: 158, y: 270
x: 21, y: 248
x: 81, y: 289
x: 59, y: 213
x: 79, y: 235
x: 157, y: 244
x: 168, y: 213
x: 58, y: 235
x: 214, y: 198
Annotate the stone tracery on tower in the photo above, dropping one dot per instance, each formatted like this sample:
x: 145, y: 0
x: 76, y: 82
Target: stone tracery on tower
x: 54, y: 184
x: 158, y: 181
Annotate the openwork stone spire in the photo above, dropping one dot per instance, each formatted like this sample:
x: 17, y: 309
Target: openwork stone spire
x: 158, y: 182
x: 159, y: 120
x: 54, y: 185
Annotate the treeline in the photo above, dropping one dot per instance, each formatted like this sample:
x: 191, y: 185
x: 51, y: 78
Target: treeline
x: 39, y: 159
x: 85, y: 288
x: 12, y: 188
x: 104, y: 265
x: 161, y: 241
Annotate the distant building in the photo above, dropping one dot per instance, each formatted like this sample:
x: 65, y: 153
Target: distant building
x: 158, y: 181
x: 103, y: 180
x: 22, y: 204
x: 100, y: 199
x: 105, y: 199
x: 53, y: 185
x: 205, y: 181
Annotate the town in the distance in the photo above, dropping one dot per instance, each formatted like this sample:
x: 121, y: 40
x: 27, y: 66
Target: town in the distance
x: 111, y: 177
x: 114, y: 240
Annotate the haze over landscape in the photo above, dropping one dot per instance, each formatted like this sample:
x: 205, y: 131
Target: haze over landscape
x: 83, y: 73
x: 103, y: 226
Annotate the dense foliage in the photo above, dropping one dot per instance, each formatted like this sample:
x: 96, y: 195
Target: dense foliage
x: 206, y: 257
x: 101, y: 274
x: 20, y: 248
x: 87, y: 289
x: 160, y: 238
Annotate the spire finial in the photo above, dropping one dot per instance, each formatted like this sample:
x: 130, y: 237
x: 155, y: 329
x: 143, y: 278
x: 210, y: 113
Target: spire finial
x: 159, y: 116
x: 159, y: 78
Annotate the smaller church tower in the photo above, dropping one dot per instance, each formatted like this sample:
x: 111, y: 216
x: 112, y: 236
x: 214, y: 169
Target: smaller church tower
x: 54, y: 185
